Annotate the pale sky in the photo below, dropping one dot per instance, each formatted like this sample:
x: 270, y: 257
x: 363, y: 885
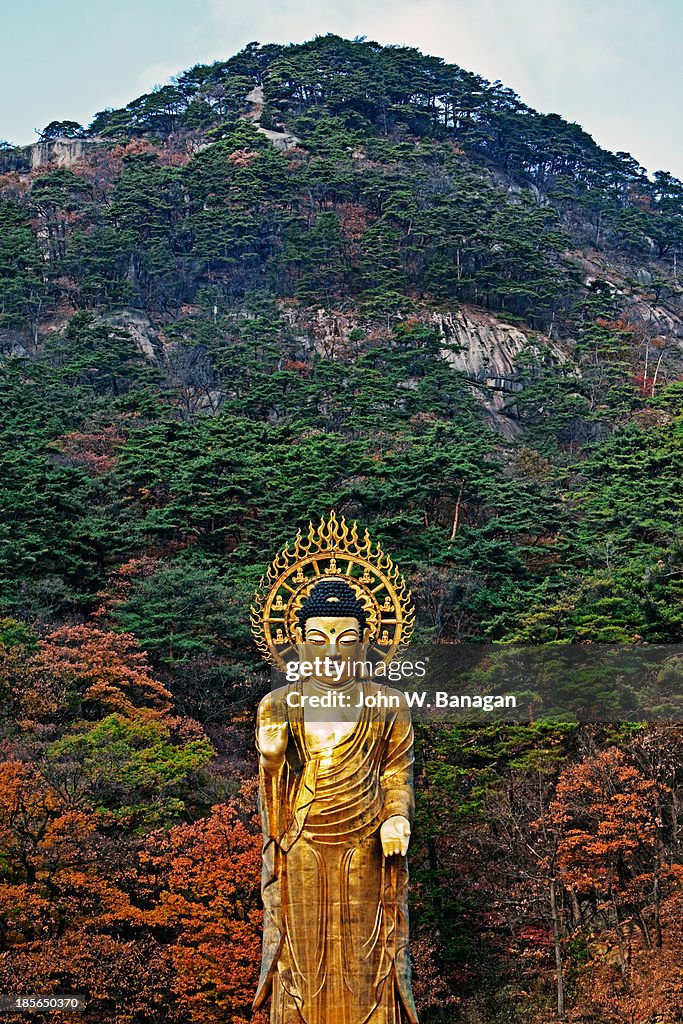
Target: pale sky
x: 613, y: 66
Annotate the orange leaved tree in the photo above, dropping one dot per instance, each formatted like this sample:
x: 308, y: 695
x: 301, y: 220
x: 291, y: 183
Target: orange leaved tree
x: 604, y: 808
x: 210, y: 897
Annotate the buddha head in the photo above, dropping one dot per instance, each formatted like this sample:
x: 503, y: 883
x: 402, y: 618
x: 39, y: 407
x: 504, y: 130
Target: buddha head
x: 332, y: 625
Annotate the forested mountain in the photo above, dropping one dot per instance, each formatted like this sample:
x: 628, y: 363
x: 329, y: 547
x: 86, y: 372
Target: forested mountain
x: 332, y: 275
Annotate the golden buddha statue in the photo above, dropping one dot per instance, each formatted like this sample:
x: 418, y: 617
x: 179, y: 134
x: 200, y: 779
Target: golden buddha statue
x: 335, y: 794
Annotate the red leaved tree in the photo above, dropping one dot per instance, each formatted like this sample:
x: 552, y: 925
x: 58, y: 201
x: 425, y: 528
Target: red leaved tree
x: 604, y: 808
x: 208, y: 884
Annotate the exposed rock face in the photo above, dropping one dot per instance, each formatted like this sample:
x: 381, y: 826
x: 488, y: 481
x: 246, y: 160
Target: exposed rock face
x: 489, y: 353
x: 142, y: 331
x: 147, y: 337
x: 50, y: 154
x: 59, y: 152
x: 325, y: 332
x: 485, y: 350
x: 657, y: 320
x: 281, y: 140
x: 255, y: 100
x: 655, y: 317
x: 188, y: 368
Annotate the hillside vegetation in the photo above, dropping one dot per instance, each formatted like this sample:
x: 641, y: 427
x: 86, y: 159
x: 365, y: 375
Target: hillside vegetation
x: 333, y: 275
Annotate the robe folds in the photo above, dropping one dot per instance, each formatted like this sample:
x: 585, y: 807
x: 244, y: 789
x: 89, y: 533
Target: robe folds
x: 335, y: 933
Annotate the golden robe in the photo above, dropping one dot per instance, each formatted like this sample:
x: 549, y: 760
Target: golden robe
x: 335, y: 934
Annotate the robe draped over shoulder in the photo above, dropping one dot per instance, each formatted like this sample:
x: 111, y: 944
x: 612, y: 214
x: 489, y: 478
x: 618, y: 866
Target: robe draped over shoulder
x: 335, y: 934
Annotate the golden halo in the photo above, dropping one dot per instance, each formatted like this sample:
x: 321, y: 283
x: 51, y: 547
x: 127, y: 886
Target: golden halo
x: 332, y: 550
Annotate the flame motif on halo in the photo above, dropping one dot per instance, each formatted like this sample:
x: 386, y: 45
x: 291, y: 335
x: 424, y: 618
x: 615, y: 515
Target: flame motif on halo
x: 332, y: 550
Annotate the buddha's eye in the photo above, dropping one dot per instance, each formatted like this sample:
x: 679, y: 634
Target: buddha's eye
x: 317, y: 639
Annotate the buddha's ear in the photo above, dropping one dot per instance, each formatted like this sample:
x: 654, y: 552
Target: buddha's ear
x: 365, y: 638
x: 298, y: 635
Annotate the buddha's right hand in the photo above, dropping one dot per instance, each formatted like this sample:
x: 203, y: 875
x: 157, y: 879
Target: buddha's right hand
x: 272, y: 736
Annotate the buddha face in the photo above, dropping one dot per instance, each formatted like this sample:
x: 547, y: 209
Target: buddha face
x: 337, y: 639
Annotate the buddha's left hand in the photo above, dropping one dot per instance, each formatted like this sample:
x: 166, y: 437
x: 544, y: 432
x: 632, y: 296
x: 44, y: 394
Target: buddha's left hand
x: 395, y: 835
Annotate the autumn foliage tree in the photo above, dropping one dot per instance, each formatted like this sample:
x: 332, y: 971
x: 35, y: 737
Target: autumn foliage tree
x: 92, y: 753
x: 208, y: 894
x: 605, y: 809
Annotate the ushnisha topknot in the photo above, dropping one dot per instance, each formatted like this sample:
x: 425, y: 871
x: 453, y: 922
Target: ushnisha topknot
x: 332, y: 597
